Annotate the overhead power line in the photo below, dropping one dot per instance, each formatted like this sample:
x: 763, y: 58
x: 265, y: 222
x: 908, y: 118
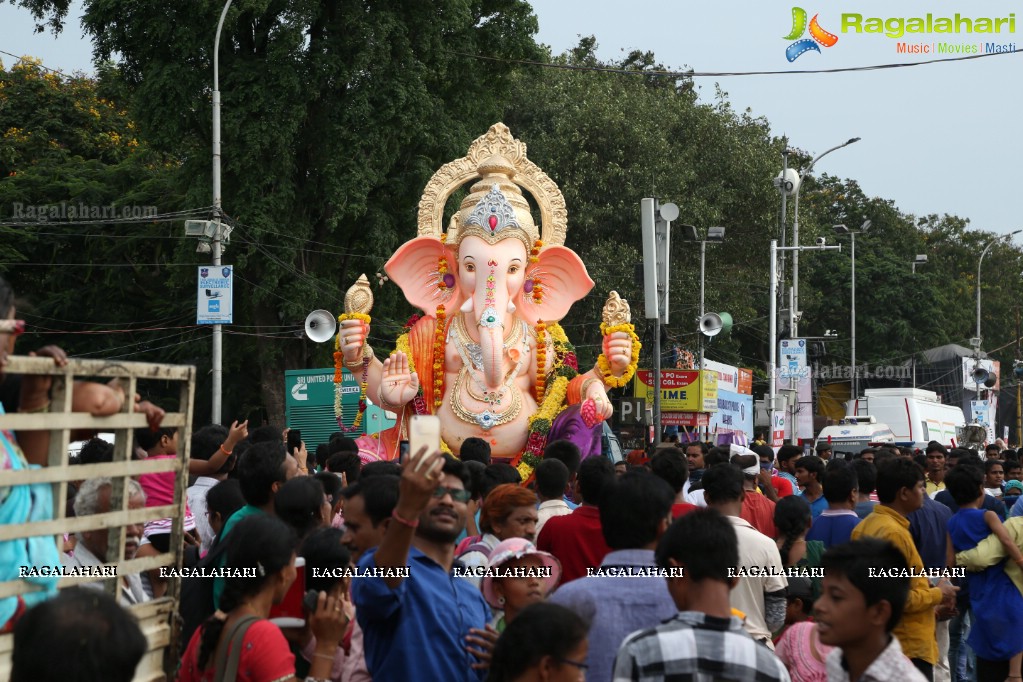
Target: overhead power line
x: 722, y: 74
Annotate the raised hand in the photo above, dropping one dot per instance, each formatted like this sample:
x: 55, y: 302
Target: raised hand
x: 618, y: 351
x: 236, y: 434
x: 398, y: 385
x: 420, y: 476
x: 35, y: 388
x: 353, y: 337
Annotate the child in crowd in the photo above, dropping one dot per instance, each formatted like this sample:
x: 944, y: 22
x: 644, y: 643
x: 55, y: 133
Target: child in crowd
x: 162, y: 443
x: 704, y: 640
x: 857, y: 612
x: 532, y: 576
x: 998, y: 634
x: 798, y: 646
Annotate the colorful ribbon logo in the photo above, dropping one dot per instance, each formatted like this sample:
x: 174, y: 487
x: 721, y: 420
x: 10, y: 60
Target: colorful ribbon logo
x: 817, y: 35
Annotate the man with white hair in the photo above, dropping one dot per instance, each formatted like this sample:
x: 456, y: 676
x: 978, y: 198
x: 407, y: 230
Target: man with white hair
x: 93, y: 497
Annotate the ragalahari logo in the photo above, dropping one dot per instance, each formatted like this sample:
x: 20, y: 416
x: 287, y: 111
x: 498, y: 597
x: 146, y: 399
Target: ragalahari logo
x: 817, y: 36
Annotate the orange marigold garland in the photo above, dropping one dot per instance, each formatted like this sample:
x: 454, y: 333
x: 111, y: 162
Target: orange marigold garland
x: 541, y: 360
x: 533, y: 284
x: 438, y: 358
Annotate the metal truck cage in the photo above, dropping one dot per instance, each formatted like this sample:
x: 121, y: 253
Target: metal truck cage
x: 158, y: 618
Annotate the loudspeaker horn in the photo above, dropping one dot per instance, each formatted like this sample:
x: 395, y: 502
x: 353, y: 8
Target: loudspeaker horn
x: 990, y: 381
x: 978, y: 375
x: 713, y: 324
x: 320, y: 325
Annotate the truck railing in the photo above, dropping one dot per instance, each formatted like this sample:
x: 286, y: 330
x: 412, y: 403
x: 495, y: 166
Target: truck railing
x: 157, y: 618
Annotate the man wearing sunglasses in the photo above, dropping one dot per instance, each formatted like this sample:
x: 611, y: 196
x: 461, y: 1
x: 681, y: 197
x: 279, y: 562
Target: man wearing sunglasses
x: 412, y: 589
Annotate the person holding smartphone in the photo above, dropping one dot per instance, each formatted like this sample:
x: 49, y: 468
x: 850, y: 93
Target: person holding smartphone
x: 417, y: 591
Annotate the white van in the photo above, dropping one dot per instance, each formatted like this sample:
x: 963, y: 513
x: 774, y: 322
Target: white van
x: 914, y: 415
x: 854, y: 433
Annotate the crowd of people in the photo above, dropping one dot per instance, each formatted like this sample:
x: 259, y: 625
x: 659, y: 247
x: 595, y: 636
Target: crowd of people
x: 697, y: 563
x: 691, y: 562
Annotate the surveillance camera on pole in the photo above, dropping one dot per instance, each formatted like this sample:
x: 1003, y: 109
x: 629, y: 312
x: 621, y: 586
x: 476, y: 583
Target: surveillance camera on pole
x: 787, y: 181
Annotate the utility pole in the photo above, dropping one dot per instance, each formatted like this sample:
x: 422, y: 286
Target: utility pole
x: 217, y: 360
x: 655, y: 221
x: 1019, y: 408
x: 771, y: 398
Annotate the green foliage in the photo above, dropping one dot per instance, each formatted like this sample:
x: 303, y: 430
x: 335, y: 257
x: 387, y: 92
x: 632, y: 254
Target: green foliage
x: 334, y: 115
x: 609, y: 140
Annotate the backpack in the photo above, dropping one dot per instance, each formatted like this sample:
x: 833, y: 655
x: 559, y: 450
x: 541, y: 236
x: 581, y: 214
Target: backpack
x: 197, y: 593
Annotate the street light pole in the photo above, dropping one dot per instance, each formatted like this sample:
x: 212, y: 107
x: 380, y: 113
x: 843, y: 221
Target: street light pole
x: 772, y: 353
x: 703, y: 260
x: 793, y: 314
x: 217, y: 361
x: 855, y: 371
x: 773, y: 319
x: 843, y: 230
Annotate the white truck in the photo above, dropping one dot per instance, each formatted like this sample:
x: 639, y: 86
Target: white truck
x: 915, y: 416
x: 854, y: 433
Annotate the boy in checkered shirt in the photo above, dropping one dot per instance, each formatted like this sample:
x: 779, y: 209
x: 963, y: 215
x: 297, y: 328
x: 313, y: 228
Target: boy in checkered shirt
x: 704, y: 641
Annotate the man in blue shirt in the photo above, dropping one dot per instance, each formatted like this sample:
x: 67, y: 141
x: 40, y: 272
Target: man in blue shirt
x: 809, y: 472
x: 635, y: 511
x: 835, y: 524
x: 420, y: 627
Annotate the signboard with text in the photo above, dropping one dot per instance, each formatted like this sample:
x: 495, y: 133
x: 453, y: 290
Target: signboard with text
x: 734, y: 414
x: 794, y: 375
x: 680, y: 389
x: 213, y: 298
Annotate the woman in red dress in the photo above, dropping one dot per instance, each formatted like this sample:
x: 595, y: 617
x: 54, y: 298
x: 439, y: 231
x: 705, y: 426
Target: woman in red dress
x: 262, y: 555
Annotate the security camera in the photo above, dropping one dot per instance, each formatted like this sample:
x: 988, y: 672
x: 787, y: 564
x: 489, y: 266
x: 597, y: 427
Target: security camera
x: 821, y: 241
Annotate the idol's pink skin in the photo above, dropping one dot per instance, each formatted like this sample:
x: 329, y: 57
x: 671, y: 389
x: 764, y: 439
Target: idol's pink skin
x: 564, y: 280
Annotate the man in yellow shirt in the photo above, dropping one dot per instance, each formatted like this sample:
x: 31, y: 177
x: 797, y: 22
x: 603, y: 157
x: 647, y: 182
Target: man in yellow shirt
x: 900, y: 490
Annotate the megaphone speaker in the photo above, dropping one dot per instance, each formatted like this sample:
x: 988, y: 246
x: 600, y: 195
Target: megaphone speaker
x: 979, y: 375
x: 990, y: 381
x: 711, y: 324
x: 320, y: 325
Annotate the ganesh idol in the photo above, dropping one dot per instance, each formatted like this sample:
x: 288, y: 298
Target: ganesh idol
x: 487, y: 355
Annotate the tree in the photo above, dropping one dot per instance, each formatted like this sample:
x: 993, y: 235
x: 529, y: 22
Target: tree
x: 609, y: 140
x: 79, y: 188
x: 335, y: 113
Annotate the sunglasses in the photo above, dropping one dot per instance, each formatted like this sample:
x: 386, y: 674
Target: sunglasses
x: 13, y: 327
x: 457, y: 494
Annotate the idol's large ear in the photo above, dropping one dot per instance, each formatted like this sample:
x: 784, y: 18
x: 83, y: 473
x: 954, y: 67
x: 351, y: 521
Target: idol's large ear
x: 415, y: 268
x: 563, y: 280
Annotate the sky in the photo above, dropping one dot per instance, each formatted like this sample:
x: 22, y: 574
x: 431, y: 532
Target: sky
x: 938, y: 138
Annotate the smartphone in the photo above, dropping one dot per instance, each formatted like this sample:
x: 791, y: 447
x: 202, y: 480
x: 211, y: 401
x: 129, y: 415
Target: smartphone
x: 403, y: 449
x: 311, y: 600
x: 294, y: 440
x: 424, y: 430
x: 290, y: 612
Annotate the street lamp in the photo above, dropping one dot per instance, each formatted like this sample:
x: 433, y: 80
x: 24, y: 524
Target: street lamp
x: 773, y: 317
x: 841, y: 230
x: 217, y: 371
x: 979, y: 263
x: 920, y: 259
x: 793, y: 313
